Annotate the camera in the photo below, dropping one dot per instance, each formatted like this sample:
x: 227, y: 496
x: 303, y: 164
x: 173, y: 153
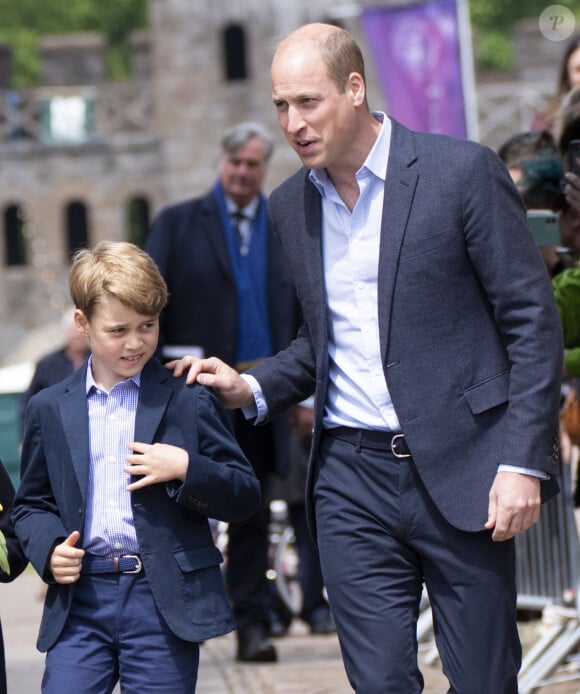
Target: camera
x: 545, y: 227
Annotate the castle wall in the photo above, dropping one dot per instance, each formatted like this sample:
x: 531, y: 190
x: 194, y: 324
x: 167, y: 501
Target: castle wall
x: 156, y: 135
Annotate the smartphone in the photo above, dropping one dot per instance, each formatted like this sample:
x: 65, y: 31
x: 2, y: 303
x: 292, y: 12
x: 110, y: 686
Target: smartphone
x: 574, y: 155
x: 545, y: 227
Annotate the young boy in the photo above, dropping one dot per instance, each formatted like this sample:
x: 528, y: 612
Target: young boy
x: 122, y: 465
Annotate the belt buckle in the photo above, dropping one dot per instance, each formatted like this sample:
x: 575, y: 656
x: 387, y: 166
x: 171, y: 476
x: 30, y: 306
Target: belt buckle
x: 394, y: 440
x: 139, y: 566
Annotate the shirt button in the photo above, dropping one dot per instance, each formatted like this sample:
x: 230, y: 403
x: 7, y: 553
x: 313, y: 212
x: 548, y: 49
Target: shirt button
x: 112, y: 459
x: 112, y: 503
x: 117, y: 545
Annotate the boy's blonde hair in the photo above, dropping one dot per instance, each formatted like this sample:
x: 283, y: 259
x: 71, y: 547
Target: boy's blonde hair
x: 120, y: 270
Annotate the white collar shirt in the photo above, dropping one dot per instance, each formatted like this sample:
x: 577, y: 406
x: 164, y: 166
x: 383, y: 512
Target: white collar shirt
x: 358, y: 394
x: 109, y: 528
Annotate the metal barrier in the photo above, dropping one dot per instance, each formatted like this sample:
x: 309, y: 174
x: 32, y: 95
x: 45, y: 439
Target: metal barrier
x: 548, y: 572
x: 547, y: 577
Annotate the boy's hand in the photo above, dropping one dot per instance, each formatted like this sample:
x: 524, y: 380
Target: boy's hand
x: 66, y: 560
x: 154, y: 463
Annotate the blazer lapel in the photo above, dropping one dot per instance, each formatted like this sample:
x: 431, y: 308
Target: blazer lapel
x: 399, y: 191
x: 75, y: 423
x: 312, y: 266
x: 154, y: 396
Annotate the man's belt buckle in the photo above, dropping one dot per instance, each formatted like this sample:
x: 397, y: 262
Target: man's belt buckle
x: 394, y: 440
x: 137, y: 568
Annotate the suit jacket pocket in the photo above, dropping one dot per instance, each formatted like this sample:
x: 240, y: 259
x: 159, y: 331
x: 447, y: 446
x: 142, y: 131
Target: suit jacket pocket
x: 490, y: 393
x: 193, y: 559
x: 204, y: 600
x: 427, y: 244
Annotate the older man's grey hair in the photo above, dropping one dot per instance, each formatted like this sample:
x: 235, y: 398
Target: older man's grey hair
x: 239, y: 134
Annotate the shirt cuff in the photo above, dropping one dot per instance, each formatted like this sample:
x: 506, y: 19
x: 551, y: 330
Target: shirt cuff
x: 524, y: 471
x: 259, y: 410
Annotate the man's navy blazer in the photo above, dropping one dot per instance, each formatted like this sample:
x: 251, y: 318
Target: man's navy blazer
x: 188, y: 243
x: 180, y: 561
x: 470, y: 334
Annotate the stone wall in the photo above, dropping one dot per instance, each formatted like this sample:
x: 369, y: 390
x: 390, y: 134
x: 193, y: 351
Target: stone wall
x: 155, y: 136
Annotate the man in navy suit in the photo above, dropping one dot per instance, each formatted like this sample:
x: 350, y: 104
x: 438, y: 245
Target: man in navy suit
x: 432, y: 341
x: 121, y: 468
x: 231, y: 295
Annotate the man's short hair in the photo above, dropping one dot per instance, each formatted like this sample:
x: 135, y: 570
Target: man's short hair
x: 120, y: 270
x: 342, y: 55
x: 236, y: 136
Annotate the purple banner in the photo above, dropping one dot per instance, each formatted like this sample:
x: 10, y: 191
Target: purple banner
x: 417, y: 59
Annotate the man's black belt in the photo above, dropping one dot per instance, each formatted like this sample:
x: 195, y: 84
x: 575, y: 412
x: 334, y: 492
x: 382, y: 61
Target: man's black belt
x: 127, y: 564
x: 391, y: 441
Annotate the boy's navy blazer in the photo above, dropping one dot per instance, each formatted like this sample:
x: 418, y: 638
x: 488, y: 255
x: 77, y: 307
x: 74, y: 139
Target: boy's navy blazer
x: 179, y: 558
x: 469, y: 331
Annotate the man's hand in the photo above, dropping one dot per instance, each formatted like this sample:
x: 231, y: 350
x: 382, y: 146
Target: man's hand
x: 155, y: 463
x: 66, y: 560
x: 514, y: 504
x: 230, y: 386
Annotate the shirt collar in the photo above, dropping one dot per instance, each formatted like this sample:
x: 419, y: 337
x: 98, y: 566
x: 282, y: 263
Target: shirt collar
x: 375, y: 161
x: 248, y: 211
x: 90, y: 381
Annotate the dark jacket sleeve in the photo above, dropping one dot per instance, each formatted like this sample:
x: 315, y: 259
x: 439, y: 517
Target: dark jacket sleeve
x: 16, y: 559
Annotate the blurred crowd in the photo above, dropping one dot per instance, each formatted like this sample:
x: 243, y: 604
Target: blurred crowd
x: 544, y: 163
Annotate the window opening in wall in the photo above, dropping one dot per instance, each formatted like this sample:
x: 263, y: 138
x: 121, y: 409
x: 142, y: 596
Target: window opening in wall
x: 14, y: 235
x: 138, y: 220
x: 235, y: 52
x: 77, y: 231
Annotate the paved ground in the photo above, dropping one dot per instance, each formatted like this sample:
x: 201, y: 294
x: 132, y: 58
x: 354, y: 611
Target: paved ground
x: 307, y: 664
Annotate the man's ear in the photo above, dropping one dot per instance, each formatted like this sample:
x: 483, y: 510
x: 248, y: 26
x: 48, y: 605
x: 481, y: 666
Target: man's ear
x: 356, y: 85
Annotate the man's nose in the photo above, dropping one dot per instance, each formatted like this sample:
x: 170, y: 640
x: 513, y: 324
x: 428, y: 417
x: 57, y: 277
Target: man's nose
x: 242, y: 168
x: 295, y: 121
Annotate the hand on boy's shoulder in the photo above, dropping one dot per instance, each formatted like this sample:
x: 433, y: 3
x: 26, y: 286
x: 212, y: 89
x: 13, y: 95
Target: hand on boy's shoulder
x: 155, y: 463
x: 232, y: 389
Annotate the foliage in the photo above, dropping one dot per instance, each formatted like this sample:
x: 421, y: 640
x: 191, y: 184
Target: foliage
x: 494, y: 50
x: 493, y: 21
x: 24, y: 21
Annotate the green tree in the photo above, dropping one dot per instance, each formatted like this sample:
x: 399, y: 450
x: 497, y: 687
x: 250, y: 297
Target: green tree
x: 493, y: 21
x: 23, y: 22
